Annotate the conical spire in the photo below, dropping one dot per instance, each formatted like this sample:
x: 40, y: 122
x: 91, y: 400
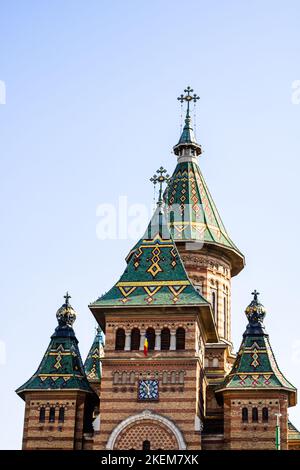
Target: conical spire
x: 255, y: 366
x: 92, y: 365
x: 61, y: 367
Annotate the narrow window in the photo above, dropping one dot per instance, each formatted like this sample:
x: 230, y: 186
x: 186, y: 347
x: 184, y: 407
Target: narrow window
x: 120, y: 339
x: 165, y: 339
x: 225, y: 317
x: 52, y: 415
x: 173, y: 377
x: 146, y: 445
x: 214, y: 303
x: 265, y: 415
x: 135, y: 339
x: 165, y: 377
x: 151, y: 338
x: 180, y: 338
x: 181, y: 377
x: 61, y: 415
x: 42, y: 414
x: 132, y: 378
x: 245, y: 415
x: 215, y: 362
x: 116, y: 377
x: 254, y: 415
x: 124, y: 377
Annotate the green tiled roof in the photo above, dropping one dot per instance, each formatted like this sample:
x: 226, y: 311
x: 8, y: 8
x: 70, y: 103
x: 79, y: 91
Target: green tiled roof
x: 195, y: 214
x: 255, y: 366
x: 154, y: 275
x: 61, y: 367
x: 92, y: 365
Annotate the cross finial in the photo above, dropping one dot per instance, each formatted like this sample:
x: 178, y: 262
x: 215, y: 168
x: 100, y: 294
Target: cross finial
x: 255, y: 294
x: 162, y: 178
x: 67, y: 297
x: 188, y: 97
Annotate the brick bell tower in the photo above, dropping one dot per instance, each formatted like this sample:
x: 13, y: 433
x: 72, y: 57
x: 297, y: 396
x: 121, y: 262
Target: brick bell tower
x: 209, y: 256
x: 156, y: 326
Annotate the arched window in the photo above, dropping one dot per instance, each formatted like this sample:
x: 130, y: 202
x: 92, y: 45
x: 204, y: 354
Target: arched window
x: 132, y: 378
x: 120, y: 339
x: 135, y: 339
x: 165, y: 377
x: 165, y: 339
x: 254, y: 415
x: 180, y: 338
x: 214, y: 303
x: 173, y: 377
x: 215, y: 362
x: 116, y: 378
x: 206, y: 364
x: 245, y: 415
x: 52, y: 414
x: 124, y: 377
x: 181, y: 377
x: 225, y: 316
x: 265, y: 415
x: 146, y: 445
x: 42, y: 417
x: 61, y: 415
x: 151, y: 338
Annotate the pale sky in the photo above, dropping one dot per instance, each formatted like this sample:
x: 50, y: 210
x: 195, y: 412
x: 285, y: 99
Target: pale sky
x: 88, y: 113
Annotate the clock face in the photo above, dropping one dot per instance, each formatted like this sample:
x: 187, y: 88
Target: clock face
x: 148, y: 390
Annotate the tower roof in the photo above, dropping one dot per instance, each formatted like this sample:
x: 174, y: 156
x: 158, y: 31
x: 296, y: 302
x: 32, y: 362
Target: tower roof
x: 61, y: 367
x: 255, y: 366
x: 193, y: 215
x: 155, y: 274
x: 92, y: 365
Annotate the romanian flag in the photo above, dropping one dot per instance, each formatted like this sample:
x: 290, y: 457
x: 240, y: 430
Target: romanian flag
x: 146, y: 345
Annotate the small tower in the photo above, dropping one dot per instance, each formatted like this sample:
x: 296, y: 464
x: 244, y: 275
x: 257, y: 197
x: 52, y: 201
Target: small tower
x: 56, y: 395
x: 255, y: 394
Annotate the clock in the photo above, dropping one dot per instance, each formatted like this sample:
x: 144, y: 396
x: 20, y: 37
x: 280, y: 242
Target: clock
x: 148, y: 390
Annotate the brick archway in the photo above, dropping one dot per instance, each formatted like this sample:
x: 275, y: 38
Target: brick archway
x: 147, y: 426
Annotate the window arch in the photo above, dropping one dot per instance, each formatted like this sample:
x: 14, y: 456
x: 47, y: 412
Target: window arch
x: 180, y: 338
x: 151, y: 338
x: 61, y: 415
x: 165, y: 339
x: 135, y: 339
x: 42, y: 416
x: 173, y: 377
x: 132, y: 378
x: 116, y: 378
x: 265, y: 414
x: 254, y: 415
x: 124, y: 377
x: 52, y: 414
x: 165, y: 377
x: 245, y: 415
x: 120, y: 339
x: 181, y: 377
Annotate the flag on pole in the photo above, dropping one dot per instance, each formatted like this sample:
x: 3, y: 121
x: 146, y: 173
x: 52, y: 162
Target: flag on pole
x: 146, y: 345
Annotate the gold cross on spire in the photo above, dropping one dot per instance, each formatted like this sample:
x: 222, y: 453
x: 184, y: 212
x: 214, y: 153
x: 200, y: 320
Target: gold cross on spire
x: 188, y: 97
x: 161, y: 179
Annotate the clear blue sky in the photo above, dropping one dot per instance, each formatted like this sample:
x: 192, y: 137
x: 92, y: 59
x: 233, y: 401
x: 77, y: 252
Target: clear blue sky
x: 91, y: 113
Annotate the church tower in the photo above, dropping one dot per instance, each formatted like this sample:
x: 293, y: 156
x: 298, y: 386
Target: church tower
x: 255, y: 394
x: 58, y: 396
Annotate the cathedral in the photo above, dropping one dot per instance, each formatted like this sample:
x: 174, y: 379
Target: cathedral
x: 161, y: 373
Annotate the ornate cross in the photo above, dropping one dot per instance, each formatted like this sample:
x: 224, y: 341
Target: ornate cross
x: 67, y: 297
x: 161, y: 179
x: 256, y: 294
x: 188, y: 97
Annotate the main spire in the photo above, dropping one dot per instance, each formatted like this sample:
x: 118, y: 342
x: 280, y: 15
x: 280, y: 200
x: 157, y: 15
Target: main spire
x: 187, y: 145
